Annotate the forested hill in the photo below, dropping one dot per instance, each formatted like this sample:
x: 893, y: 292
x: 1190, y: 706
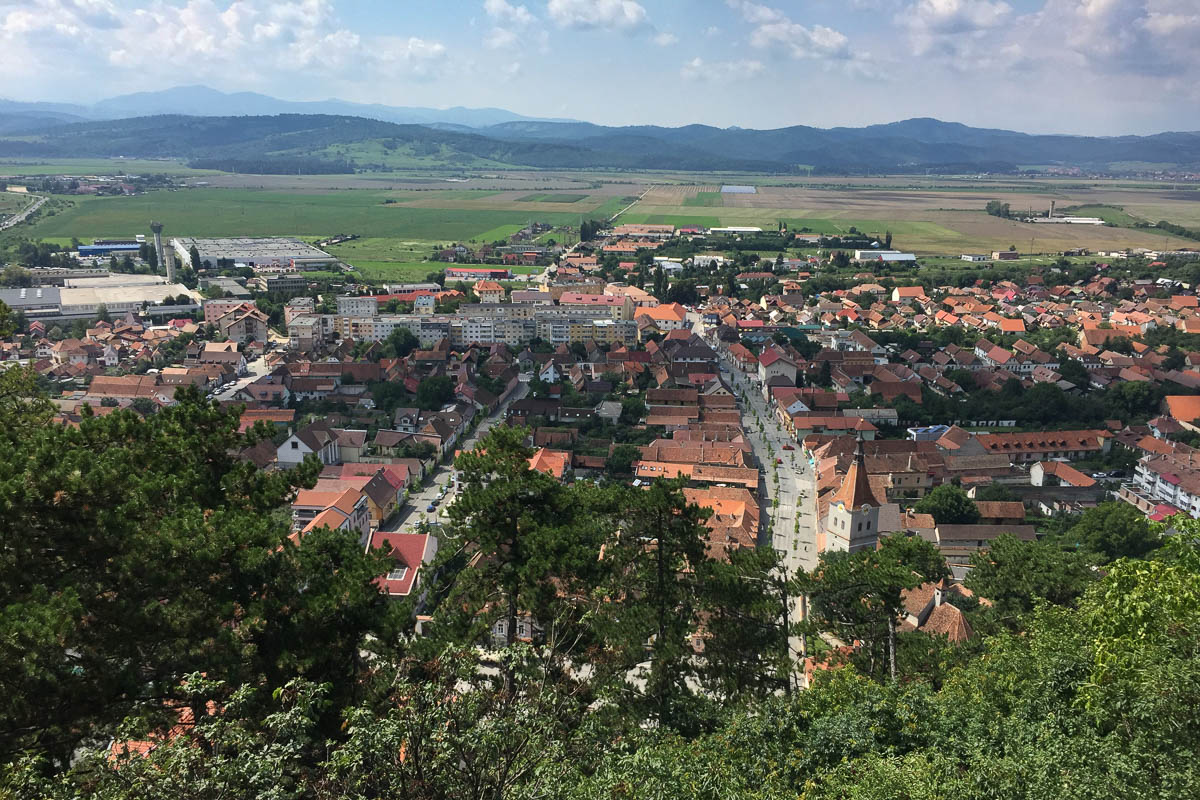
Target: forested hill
x: 322, y: 143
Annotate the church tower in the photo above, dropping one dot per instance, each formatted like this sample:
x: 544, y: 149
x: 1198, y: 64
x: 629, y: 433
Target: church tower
x: 852, y: 522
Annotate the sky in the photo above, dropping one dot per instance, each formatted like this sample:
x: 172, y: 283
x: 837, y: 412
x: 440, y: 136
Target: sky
x: 1100, y: 67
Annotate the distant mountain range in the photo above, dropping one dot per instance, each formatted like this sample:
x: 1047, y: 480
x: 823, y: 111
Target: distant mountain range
x: 202, y: 101
x: 257, y: 133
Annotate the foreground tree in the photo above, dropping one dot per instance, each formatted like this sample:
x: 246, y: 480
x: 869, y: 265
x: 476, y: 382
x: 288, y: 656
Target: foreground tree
x: 858, y: 596
x: 1014, y: 575
x: 138, y: 551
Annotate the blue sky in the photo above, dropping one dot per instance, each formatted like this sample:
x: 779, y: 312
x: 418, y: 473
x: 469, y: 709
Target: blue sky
x: 1072, y: 66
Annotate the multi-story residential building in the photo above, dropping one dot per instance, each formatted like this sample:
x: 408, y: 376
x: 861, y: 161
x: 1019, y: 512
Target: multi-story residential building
x: 353, y: 306
x: 1172, y: 478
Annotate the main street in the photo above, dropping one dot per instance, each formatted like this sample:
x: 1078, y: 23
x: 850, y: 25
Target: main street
x: 789, y: 506
x: 787, y: 489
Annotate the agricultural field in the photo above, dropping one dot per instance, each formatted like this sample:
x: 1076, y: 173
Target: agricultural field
x: 552, y: 198
x: 220, y: 212
x: 929, y: 221
x: 705, y: 199
x: 402, y: 219
x: 99, y: 166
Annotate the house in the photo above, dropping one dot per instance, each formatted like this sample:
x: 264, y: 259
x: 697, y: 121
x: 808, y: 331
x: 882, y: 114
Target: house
x: 555, y: 463
x: 410, y: 552
x: 383, y: 497
x: 1185, y: 409
x: 352, y: 444
x: 909, y: 294
x: 346, y: 510
x: 1000, y: 512
x: 927, y: 609
x: 317, y: 439
x: 489, y: 291
x: 773, y: 362
x: 1057, y: 473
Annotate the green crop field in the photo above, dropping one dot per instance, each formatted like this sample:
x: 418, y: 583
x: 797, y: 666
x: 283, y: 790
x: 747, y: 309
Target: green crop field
x: 397, y: 271
x: 233, y: 212
x: 552, y: 198
x: 99, y: 166
x: 1111, y: 214
x: 707, y: 199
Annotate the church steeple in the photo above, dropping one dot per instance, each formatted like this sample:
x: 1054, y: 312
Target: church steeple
x: 855, y: 491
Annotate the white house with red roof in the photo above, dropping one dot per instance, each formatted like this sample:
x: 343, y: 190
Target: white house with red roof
x: 775, y: 363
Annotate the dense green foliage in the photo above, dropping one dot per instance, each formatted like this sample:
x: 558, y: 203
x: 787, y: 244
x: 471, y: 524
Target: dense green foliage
x: 949, y: 505
x: 147, y: 578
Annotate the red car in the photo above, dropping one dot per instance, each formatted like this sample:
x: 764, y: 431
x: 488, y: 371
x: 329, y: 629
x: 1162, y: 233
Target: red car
x: 779, y: 461
x: 788, y: 447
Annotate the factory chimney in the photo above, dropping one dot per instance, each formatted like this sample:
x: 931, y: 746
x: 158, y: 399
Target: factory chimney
x: 1051, y: 209
x: 165, y: 258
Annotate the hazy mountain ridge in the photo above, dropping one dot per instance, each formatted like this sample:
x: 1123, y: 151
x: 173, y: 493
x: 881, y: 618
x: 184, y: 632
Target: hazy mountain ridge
x: 364, y: 141
x: 203, y: 101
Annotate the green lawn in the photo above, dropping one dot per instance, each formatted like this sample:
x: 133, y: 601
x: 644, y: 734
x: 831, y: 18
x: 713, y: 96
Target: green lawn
x: 708, y: 199
x: 241, y: 212
x: 552, y: 198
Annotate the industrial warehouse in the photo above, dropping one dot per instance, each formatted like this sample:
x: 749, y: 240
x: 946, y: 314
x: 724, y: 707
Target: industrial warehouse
x: 264, y: 254
x: 82, y: 298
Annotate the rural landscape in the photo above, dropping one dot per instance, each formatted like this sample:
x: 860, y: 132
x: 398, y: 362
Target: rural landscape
x: 599, y: 400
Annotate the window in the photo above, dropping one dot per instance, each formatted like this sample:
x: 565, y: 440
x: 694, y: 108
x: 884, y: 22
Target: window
x: 521, y: 629
x: 860, y: 526
x: 397, y: 574
x: 868, y: 524
x: 295, y: 445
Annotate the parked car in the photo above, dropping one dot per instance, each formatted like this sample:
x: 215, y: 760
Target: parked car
x: 788, y: 447
x: 431, y: 508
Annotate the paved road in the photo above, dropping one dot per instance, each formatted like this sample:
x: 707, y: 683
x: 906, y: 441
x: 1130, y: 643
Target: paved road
x: 415, y: 510
x: 21, y: 216
x: 254, y: 370
x: 789, y: 504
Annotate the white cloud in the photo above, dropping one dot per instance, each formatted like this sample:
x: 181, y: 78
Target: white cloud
x: 238, y: 42
x: 665, y: 39
x: 952, y: 28
x: 774, y: 29
x: 500, y: 39
x: 506, y: 12
x: 617, y: 15
x: 957, y: 16
x: 720, y: 71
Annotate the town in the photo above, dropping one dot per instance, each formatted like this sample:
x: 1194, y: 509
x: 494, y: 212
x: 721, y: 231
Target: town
x: 599, y: 399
